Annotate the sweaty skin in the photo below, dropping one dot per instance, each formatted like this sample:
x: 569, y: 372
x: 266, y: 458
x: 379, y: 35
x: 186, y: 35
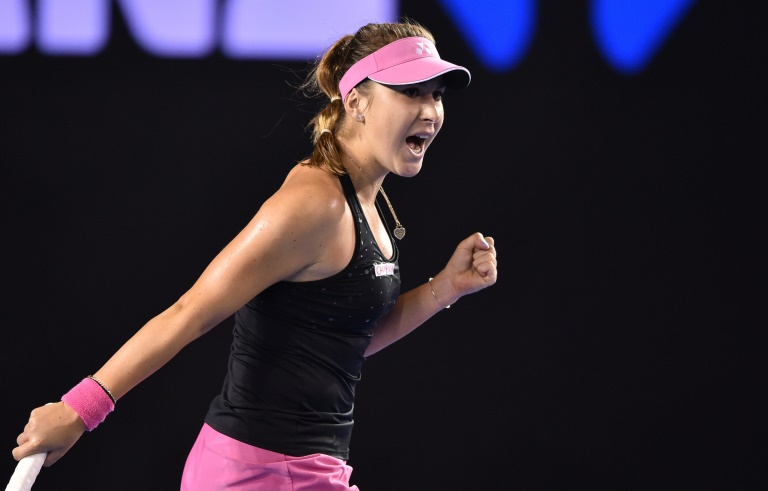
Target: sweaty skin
x: 303, y: 232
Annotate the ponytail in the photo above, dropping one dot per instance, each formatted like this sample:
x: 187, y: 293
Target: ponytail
x: 324, y: 125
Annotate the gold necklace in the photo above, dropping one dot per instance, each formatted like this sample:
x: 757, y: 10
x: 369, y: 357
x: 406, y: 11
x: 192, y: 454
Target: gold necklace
x: 399, y: 231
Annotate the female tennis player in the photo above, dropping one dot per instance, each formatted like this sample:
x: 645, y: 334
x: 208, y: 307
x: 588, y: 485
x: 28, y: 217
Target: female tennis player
x: 313, y: 281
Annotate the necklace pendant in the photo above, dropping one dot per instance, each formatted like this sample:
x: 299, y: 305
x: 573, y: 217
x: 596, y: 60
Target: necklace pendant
x: 399, y: 232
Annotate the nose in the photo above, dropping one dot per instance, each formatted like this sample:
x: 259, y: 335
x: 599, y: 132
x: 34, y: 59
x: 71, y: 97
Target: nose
x: 431, y: 110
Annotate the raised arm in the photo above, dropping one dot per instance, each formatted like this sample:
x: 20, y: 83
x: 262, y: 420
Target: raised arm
x: 472, y: 267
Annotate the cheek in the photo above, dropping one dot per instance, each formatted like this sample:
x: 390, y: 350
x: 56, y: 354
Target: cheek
x: 395, y: 124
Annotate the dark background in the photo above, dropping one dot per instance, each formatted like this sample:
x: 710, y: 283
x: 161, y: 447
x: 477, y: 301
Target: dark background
x: 620, y: 349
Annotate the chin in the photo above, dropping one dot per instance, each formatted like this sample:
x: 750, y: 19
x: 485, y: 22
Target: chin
x: 409, y: 168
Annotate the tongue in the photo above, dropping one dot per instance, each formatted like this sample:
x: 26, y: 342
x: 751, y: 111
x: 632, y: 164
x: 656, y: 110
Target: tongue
x: 413, y: 142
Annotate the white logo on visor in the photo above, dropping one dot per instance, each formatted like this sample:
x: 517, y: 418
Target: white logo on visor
x: 422, y: 48
x: 384, y: 269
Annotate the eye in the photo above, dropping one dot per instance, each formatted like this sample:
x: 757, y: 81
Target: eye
x: 438, y: 95
x: 411, y: 91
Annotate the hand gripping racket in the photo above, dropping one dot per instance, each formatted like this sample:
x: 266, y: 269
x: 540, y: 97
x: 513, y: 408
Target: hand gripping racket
x: 26, y: 471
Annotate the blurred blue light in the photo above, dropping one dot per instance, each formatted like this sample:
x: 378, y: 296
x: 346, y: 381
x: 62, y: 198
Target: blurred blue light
x: 630, y: 32
x: 498, y: 31
x: 72, y: 26
x: 15, y: 26
x: 295, y: 29
x: 173, y: 28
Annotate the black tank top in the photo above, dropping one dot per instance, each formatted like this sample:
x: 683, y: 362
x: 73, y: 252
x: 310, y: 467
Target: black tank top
x: 298, y: 351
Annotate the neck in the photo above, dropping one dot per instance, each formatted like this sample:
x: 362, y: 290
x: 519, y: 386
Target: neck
x: 367, y: 182
x: 374, y: 184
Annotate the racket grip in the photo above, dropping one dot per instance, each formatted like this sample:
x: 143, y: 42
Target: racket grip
x: 26, y: 472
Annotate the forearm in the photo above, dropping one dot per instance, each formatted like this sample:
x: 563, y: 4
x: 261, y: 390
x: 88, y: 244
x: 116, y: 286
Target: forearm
x: 412, y: 309
x: 54, y: 428
x: 150, y: 348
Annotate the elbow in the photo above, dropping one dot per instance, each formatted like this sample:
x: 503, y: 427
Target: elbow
x: 186, y: 317
x: 199, y: 312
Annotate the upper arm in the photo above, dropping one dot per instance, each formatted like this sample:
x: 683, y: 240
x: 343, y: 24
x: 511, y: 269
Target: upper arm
x: 294, y: 230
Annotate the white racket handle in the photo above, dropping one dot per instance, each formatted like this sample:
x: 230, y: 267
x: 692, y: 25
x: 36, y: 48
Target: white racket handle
x: 26, y: 472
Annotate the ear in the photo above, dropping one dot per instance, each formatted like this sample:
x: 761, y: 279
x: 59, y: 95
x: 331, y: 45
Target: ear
x: 354, y: 104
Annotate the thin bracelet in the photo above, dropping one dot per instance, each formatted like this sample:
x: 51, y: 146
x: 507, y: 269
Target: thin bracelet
x: 434, y: 295
x: 114, y: 401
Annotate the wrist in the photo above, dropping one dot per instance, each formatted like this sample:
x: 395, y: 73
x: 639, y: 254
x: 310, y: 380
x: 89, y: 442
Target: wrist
x: 442, y: 292
x: 91, y: 401
x: 71, y: 417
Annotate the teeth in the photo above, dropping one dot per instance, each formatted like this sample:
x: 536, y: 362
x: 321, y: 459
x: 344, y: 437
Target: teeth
x: 416, y: 143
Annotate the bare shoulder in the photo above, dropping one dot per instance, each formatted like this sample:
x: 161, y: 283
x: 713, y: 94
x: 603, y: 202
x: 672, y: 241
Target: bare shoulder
x: 311, y: 193
x: 308, y: 222
x: 297, y: 235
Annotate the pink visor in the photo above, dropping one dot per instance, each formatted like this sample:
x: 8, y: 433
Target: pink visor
x: 405, y: 61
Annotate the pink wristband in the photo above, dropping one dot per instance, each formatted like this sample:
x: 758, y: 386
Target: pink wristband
x: 90, y: 402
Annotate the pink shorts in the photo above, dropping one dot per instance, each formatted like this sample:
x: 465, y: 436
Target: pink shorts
x: 218, y: 462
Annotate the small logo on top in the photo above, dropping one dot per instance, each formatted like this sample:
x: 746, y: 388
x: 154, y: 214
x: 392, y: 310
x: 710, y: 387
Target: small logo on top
x: 384, y: 269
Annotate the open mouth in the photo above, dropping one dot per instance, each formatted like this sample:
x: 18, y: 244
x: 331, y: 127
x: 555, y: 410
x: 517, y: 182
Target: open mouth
x: 416, y: 144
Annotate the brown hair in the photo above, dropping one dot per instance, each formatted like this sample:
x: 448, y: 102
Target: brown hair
x: 325, y: 76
